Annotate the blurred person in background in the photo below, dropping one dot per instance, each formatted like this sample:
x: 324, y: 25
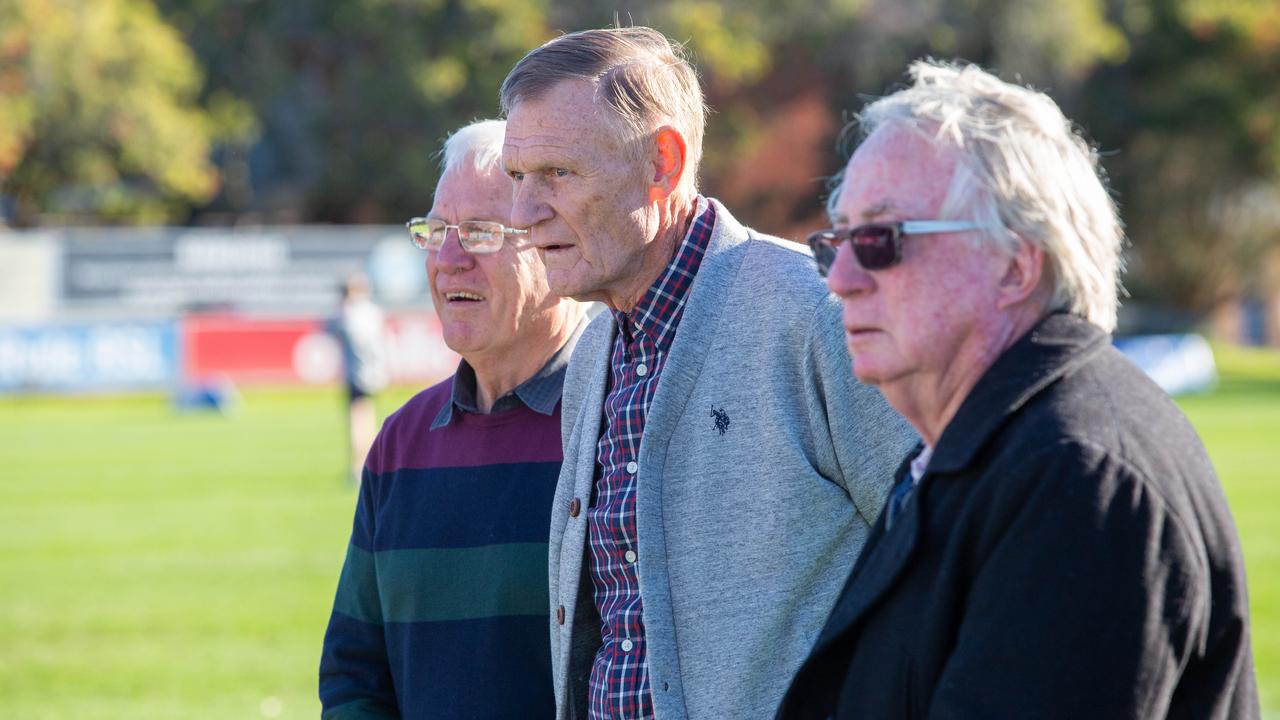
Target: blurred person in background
x: 1059, y: 545
x: 722, y: 468
x: 440, y: 609
x: 359, y: 328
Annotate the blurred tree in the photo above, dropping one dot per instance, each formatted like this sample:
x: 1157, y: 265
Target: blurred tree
x: 1193, y: 116
x: 103, y: 111
x: 1180, y: 95
x: 354, y: 96
x: 779, y: 75
x: 98, y: 113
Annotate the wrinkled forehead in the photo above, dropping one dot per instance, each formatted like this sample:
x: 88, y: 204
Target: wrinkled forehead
x: 464, y: 194
x: 568, y: 117
x: 897, y: 173
x: 567, y: 104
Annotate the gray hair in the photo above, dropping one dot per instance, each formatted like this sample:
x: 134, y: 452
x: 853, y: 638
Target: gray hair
x: 1025, y: 175
x: 639, y: 73
x: 481, y: 141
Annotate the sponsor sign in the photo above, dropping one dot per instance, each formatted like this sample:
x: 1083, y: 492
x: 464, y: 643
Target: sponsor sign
x: 203, y: 349
x: 88, y: 356
x: 300, y: 351
x: 294, y: 270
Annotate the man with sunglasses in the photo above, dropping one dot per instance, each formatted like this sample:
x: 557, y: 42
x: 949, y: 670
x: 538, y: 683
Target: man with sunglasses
x: 440, y: 609
x: 722, y: 468
x: 1058, y: 546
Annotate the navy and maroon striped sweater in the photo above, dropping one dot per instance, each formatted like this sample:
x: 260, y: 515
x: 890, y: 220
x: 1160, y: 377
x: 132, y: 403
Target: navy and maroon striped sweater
x: 441, y: 609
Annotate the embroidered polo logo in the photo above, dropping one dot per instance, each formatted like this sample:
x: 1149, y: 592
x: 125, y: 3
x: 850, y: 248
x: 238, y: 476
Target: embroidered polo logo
x: 721, y: 418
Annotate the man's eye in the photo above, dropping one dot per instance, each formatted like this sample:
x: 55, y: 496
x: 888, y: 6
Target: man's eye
x: 517, y: 176
x: 559, y: 172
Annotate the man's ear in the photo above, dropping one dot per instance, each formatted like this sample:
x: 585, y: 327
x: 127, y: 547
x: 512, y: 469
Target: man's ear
x: 1024, y: 272
x: 669, y: 155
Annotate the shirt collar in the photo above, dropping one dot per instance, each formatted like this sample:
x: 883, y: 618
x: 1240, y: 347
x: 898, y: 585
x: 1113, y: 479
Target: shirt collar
x: 540, y: 393
x: 920, y: 463
x: 658, y: 312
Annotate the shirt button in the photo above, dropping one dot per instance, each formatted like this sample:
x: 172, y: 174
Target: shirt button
x: 575, y: 506
x: 642, y: 369
x: 630, y: 555
x: 627, y: 645
x: 632, y: 467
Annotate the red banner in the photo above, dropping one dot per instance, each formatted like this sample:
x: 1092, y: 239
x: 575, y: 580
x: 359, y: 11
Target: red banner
x: 297, y: 350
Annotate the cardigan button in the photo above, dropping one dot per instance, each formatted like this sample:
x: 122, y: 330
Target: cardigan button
x: 560, y: 614
x: 575, y: 507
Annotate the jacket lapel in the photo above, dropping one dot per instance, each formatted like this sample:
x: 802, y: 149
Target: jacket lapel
x: 582, y: 630
x: 702, y: 311
x: 586, y: 427
x: 887, y: 553
x: 1054, y: 347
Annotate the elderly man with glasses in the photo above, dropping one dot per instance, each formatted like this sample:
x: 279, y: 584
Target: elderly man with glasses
x: 1058, y: 546
x: 441, y: 607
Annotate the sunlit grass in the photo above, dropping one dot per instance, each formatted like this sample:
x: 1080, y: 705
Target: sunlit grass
x: 1240, y: 425
x: 158, y: 564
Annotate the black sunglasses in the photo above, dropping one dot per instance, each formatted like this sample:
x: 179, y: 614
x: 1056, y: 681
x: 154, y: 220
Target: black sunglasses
x: 877, y: 245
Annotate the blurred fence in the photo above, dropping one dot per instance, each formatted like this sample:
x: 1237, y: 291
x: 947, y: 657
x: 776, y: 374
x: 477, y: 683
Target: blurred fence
x: 118, y: 309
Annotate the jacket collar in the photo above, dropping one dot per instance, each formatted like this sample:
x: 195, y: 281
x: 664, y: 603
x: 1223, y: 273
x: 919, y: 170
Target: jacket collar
x: 706, y: 303
x: 1056, y: 345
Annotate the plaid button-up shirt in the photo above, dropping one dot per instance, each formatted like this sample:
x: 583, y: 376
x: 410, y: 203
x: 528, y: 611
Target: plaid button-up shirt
x: 619, y: 684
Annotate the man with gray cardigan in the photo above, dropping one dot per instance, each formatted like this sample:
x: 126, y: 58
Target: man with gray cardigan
x: 721, y: 467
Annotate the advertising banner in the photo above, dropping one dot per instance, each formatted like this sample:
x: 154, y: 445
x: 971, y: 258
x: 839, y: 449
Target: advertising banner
x: 299, y: 350
x: 285, y: 270
x: 199, y: 349
x: 88, y: 356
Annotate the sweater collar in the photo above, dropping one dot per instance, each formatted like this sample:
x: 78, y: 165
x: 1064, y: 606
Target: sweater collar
x: 540, y: 393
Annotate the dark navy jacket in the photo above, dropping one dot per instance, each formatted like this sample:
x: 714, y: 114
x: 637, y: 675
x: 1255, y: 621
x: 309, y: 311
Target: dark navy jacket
x: 1068, y: 553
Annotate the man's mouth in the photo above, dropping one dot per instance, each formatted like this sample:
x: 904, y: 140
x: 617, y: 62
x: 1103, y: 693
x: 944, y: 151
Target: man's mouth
x: 462, y: 297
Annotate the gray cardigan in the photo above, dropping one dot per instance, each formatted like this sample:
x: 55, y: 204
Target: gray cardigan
x: 763, y: 465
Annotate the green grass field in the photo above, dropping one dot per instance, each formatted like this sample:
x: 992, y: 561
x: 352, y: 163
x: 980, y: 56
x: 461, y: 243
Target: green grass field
x: 1240, y: 426
x: 162, y: 565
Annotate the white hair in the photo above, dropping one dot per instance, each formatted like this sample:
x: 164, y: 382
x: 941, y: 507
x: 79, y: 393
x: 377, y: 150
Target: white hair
x: 1025, y: 174
x: 481, y: 141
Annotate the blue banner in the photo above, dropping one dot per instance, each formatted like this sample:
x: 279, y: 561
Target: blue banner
x: 89, y: 356
x: 1178, y: 363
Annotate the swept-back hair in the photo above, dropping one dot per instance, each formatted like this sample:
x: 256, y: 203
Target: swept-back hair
x: 1025, y: 174
x: 642, y: 76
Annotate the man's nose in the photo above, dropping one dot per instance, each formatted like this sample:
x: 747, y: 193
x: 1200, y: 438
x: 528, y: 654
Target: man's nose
x: 846, y: 277
x: 527, y: 206
x: 451, y: 257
